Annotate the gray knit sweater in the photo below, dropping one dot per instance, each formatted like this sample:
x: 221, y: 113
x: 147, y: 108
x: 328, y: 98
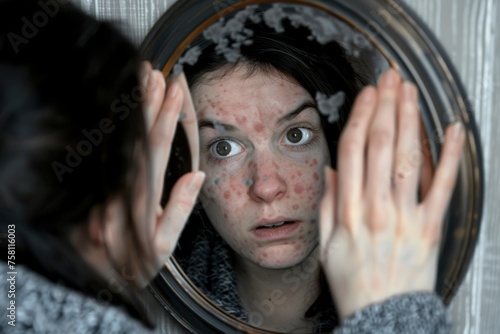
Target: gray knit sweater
x: 46, y: 307
x: 210, y: 267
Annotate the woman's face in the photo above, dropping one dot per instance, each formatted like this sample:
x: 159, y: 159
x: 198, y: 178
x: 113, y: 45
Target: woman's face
x: 263, y: 150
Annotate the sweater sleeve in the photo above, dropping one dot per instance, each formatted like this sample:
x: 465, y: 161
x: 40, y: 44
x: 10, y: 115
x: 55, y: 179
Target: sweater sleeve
x: 419, y: 312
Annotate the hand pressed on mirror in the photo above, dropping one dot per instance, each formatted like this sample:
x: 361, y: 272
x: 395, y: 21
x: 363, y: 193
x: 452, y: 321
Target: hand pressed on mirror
x: 162, y: 114
x: 390, y: 238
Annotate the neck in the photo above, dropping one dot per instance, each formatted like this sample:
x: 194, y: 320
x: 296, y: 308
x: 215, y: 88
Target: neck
x: 277, y: 299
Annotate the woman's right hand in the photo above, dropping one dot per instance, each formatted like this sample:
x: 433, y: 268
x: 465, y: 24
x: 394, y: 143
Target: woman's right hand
x: 163, y: 112
x: 377, y: 240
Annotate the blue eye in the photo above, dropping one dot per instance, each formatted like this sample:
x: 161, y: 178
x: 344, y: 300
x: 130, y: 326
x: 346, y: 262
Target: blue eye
x: 298, y: 136
x: 225, y: 148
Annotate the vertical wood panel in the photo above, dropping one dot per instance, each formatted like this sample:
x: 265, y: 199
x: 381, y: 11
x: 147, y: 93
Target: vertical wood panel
x: 466, y: 29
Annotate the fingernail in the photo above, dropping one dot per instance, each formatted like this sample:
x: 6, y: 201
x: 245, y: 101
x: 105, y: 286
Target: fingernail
x: 196, y: 182
x: 409, y: 91
x: 456, y: 130
x: 173, y: 90
x: 368, y: 94
x: 151, y: 80
x: 389, y: 79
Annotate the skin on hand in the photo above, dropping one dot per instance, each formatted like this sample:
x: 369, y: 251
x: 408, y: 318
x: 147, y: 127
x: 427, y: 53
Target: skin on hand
x: 162, y: 111
x: 377, y: 239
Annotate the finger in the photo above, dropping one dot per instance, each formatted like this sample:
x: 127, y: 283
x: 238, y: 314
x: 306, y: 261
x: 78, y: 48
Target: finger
x: 427, y: 169
x: 162, y: 134
x: 154, y: 84
x: 408, y: 152
x: 190, y: 122
x: 327, y: 211
x: 381, y: 137
x: 438, y: 198
x: 178, y: 208
x: 351, y: 151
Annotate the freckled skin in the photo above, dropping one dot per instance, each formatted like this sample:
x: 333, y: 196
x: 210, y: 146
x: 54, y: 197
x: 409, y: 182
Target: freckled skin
x: 266, y: 176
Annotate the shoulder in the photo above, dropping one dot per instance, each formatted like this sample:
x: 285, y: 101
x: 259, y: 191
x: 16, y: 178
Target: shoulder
x: 41, y: 306
x: 419, y: 312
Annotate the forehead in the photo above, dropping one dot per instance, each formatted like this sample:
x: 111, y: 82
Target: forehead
x: 264, y: 94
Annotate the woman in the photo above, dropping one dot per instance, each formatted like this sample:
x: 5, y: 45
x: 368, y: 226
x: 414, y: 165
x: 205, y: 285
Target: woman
x: 263, y: 147
x: 76, y: 192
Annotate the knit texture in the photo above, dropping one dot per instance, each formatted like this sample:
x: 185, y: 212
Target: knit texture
x: 416, y: 313
x: 210, y: 268
x: 46, y: 307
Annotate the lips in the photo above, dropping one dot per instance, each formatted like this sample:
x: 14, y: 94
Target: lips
x: 275, y: 229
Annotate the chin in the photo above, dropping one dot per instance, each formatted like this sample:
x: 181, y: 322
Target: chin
x: 284, y: 256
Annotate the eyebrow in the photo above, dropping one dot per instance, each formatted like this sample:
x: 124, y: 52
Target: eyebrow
x: 294, y: 113
x: 206, y: 123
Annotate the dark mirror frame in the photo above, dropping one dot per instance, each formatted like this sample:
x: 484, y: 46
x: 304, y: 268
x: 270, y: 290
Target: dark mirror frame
x: 408, y: 45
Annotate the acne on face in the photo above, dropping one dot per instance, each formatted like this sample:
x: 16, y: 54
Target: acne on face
x: 266, y: 177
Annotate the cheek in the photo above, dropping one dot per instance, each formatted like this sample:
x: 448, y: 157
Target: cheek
x: 306, y: 187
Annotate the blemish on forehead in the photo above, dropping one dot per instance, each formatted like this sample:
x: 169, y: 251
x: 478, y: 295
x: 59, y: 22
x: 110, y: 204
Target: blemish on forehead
x: 314, y: 163
x: 295, y: 206
x: 316, y: 176
x: 227, y: 194
x: 258, y: 127
x: 298, y: 247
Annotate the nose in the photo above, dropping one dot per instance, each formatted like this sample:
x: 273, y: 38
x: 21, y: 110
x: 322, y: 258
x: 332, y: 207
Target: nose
x: 267, y: 185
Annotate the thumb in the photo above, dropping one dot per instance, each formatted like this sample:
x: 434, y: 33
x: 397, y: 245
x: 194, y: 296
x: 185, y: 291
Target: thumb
x: 179, y: 206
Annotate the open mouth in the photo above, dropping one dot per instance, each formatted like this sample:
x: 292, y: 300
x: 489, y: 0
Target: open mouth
x: 275, y: 225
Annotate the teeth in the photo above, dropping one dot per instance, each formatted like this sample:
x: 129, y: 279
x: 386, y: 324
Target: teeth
x: 274, y: 225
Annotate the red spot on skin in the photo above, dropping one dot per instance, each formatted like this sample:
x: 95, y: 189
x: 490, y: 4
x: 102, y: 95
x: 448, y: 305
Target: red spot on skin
x: 298, y: 247
x: 316, y: 176
x: 293, y: 242
x: 202, y: 112
x: 265, y: 254
x: 227, y: 194
x: 307, y: 161
x: 258, y: 127
x: 298, y: 189
x: 314, y: 162
x: 225, y: 215
x: 301, y: 229
x: 314, y: 206
x: 299, y: 173
x: 293, y: 177
x: 275, y: 165
x: 295, y: 206
x: 301, y: 237
x: 241, y: 120
x: 286, y: 243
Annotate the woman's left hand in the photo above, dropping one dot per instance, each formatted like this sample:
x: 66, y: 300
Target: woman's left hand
x: 377, y: 239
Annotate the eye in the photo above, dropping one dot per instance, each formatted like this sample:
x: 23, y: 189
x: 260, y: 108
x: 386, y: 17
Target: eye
x: 225, y: 148
x: 298, y: 136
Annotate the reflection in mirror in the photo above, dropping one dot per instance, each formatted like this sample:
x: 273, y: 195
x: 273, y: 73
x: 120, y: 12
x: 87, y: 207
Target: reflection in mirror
x: 272, y: 87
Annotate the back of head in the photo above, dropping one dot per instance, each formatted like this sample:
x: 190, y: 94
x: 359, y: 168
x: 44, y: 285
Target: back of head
x: 68, y: 130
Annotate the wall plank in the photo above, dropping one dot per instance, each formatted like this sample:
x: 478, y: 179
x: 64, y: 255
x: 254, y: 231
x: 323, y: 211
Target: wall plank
x: 467, y: 30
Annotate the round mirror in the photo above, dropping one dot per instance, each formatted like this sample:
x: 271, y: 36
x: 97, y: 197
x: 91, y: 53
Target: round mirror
x: 374, y: 35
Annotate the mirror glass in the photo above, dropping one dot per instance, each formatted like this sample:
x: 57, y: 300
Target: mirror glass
x: 272, y: 85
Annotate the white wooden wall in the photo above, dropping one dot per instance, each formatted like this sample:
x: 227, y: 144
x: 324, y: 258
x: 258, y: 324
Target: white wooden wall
x: 470, y: 32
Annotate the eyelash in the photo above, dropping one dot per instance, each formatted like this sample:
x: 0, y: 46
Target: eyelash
x: 211, y: 158
x: 310, y: 143
x: 314, y: 140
